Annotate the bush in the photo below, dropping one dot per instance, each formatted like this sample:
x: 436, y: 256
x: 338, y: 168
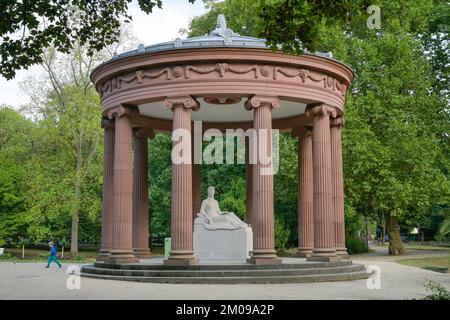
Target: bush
x: 437, y: 268
x: 42, y: 256
x: 6, y: 256
x: 281, y: 235
x: 356, y: 245
x: 438, y: 292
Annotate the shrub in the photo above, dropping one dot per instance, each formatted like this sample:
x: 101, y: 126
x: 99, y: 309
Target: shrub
x: 438, y: 292
x: 6, y: 256
x: 356, y: 245
x: 42, y: 256
x: 281, y: 235
x: 437, y: 268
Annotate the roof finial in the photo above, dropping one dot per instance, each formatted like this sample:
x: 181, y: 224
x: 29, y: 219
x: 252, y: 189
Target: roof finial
x: 221, y: 22
x: 221, y: 28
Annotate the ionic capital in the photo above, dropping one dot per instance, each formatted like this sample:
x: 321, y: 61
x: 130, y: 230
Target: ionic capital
x: 121, y: 111
x: 181, y: 101
x: 322, y: 110
x: 337, y: 122
x: 262, y: 101
x: 143, y: 133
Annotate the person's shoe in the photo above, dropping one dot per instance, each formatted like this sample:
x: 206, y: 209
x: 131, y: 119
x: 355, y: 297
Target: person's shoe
x: 47, y: 266
x: 60, y: 266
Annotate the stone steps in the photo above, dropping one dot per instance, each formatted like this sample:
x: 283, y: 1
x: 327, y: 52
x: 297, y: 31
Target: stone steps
x: 239, y: 280
x: 222, y: 273
x: 229, y: 274
x: 243, y: 266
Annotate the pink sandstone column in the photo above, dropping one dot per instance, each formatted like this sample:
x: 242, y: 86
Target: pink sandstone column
x: 182, y: 252
x: 122, y: 245
x: 305, y: 194
x: 324, y: 238
x: 338, y: 186
x: 249, y: 180
x: 263, y: 211
x: 108, y: 189
x: 140, y: 194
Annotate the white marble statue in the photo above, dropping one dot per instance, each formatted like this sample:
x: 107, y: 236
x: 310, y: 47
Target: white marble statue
x: 214, y: 219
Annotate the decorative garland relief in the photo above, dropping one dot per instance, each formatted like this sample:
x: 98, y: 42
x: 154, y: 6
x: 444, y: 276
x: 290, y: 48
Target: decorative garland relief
x: 221, y: 69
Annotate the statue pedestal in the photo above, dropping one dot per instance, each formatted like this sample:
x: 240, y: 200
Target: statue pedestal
x: 222, y: 245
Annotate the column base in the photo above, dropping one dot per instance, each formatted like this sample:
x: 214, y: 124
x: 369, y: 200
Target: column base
x: 324, y: 255
x: 103, y: 255
x: 264, y: 257
x: 303, y: 252
x: 342, y: 252
x: 143, y: 253
x: 183, y: 258
x: 122, y: 256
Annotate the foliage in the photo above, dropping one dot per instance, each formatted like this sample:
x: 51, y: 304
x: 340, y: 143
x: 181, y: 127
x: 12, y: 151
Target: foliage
x: 356, y: 245
x: 444, y: 229
x: 15, y: 147
x: 23, y: 242
x: 395, y: 141
x: 437, y: 268
x: 29, y: 28
x: 6, y: 256
x: 160, y: 183
x: 437, y: 291
x: 281, y: 235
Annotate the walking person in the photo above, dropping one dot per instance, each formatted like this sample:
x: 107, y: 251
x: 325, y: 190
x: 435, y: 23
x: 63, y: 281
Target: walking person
x: 52, y: 256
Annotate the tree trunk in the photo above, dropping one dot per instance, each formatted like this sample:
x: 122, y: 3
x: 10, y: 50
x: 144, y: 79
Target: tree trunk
x: 75, y: 218
x: 76, y: 209
x: 383, y: 229
x: 23, y: 252
x: 395, y: 241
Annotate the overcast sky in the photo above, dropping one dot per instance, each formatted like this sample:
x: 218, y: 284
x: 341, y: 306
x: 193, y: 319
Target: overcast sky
x: 161, y: 25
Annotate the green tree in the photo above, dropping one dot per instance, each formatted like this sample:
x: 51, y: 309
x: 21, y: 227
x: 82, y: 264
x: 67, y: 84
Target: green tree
x: 397, y: 122
x: 15, y: 148
x: 29, y: 28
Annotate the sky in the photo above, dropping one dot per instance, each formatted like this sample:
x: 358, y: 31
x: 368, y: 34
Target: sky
x: 160, y: 26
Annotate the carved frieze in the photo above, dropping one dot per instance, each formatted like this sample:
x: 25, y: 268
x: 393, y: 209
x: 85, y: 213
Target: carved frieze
x: 222, y: 69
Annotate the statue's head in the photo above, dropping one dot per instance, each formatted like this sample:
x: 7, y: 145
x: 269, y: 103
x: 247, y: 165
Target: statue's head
x: 211, y: 191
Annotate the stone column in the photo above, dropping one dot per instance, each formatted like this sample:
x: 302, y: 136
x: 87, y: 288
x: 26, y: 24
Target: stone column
x: 122, y: 244
x: 263, y: 211
x: 249, y: 182
x: 108, y: 189
x: 305, y: 193
x: 140, y: 194
x: 182, y: 252
x: 338, y: 186
x: 324, y: 238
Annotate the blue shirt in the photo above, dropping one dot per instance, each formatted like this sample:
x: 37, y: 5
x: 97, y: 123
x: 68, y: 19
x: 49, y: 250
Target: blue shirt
x: 52, y: 251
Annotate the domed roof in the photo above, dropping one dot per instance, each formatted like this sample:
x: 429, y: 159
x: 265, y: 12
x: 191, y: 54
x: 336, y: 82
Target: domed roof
x: 221, y: 36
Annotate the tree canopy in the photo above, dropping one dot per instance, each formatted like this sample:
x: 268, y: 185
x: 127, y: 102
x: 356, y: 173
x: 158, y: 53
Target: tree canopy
x: 28, y: 28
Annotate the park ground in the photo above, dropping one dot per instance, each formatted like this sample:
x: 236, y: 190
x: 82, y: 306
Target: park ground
x: 401, y: 278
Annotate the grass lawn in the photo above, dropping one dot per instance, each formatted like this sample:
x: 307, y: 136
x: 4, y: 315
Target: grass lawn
x: 428, y: 262
x: 33, y: 255
x: 425, y: 247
